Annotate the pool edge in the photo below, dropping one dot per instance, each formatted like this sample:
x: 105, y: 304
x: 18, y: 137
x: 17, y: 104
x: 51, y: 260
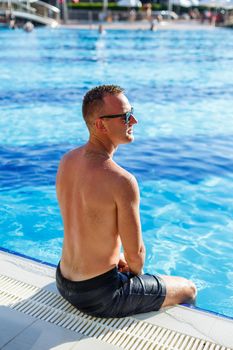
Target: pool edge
x: 192, y: 307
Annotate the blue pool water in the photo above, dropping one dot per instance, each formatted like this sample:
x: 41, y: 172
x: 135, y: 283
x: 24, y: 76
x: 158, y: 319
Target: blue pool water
x: 180, y: 84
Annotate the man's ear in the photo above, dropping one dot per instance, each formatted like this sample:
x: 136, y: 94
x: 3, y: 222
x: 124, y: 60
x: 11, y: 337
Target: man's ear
x: 100, y: 125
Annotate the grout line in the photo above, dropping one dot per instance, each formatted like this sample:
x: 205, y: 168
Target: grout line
x: 24, y: 329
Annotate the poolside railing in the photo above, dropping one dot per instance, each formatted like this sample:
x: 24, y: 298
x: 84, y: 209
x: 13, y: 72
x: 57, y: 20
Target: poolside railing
x: 37, y: 12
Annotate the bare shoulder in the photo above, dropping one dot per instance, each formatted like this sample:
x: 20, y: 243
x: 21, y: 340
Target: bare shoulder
x: 68, y: 158
x: 66, y: 164
x: 124, y: 183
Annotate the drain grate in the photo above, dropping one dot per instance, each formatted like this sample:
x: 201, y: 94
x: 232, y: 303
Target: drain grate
x: 126, y: 333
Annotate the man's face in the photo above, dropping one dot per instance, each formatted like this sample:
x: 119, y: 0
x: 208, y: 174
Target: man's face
x: 118, y: 130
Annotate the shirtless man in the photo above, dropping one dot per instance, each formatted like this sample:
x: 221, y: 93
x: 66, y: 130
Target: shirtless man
x: 99, y: 203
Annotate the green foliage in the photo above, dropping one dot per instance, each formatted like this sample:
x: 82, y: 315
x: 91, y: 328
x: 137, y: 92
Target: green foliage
x: 98, y: 6
x: 159, y: 7
x: 93, y: 6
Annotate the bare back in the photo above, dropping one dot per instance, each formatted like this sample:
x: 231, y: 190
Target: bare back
x: 84, y: 189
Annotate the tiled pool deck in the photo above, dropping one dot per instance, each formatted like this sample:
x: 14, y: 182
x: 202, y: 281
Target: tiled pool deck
x: 33, y: 316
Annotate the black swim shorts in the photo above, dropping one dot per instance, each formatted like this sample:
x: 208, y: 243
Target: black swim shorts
x: 113, y: 294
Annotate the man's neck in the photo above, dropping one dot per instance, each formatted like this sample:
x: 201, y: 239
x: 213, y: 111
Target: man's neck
x: 100, y: 147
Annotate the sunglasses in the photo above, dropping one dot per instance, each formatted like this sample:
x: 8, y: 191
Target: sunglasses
x: 126, y: 116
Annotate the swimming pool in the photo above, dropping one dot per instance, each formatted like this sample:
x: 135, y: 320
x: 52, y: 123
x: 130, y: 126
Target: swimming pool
x: 180, y: 84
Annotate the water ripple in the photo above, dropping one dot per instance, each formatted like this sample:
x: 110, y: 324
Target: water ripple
x: 191, y: 160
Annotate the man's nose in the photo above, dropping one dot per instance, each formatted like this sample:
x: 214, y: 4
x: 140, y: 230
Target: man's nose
x: 133, y: 120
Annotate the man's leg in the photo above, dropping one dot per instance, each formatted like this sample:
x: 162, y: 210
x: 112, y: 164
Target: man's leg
x: 179, y: 290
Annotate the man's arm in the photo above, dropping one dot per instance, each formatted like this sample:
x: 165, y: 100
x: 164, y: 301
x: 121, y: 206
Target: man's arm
x: 128, y: 222
x: 122, y: 264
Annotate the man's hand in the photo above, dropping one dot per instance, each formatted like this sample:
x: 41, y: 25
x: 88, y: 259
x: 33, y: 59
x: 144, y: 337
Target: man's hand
x: 122, y: 264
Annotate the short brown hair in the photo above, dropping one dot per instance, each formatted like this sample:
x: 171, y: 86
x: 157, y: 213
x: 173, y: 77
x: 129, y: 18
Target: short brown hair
x: 93, y: 100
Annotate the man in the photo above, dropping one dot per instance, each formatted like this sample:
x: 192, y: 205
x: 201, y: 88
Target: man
x: 99, y: 203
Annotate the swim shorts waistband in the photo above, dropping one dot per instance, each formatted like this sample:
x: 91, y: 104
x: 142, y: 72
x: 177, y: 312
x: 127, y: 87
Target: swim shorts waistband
x: 97, y: 281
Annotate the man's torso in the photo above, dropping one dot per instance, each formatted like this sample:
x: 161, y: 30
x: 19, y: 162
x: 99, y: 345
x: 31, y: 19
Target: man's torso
x: 85, y: 188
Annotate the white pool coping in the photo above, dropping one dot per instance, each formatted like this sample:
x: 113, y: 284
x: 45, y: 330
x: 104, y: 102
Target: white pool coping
x: 23, y: 331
